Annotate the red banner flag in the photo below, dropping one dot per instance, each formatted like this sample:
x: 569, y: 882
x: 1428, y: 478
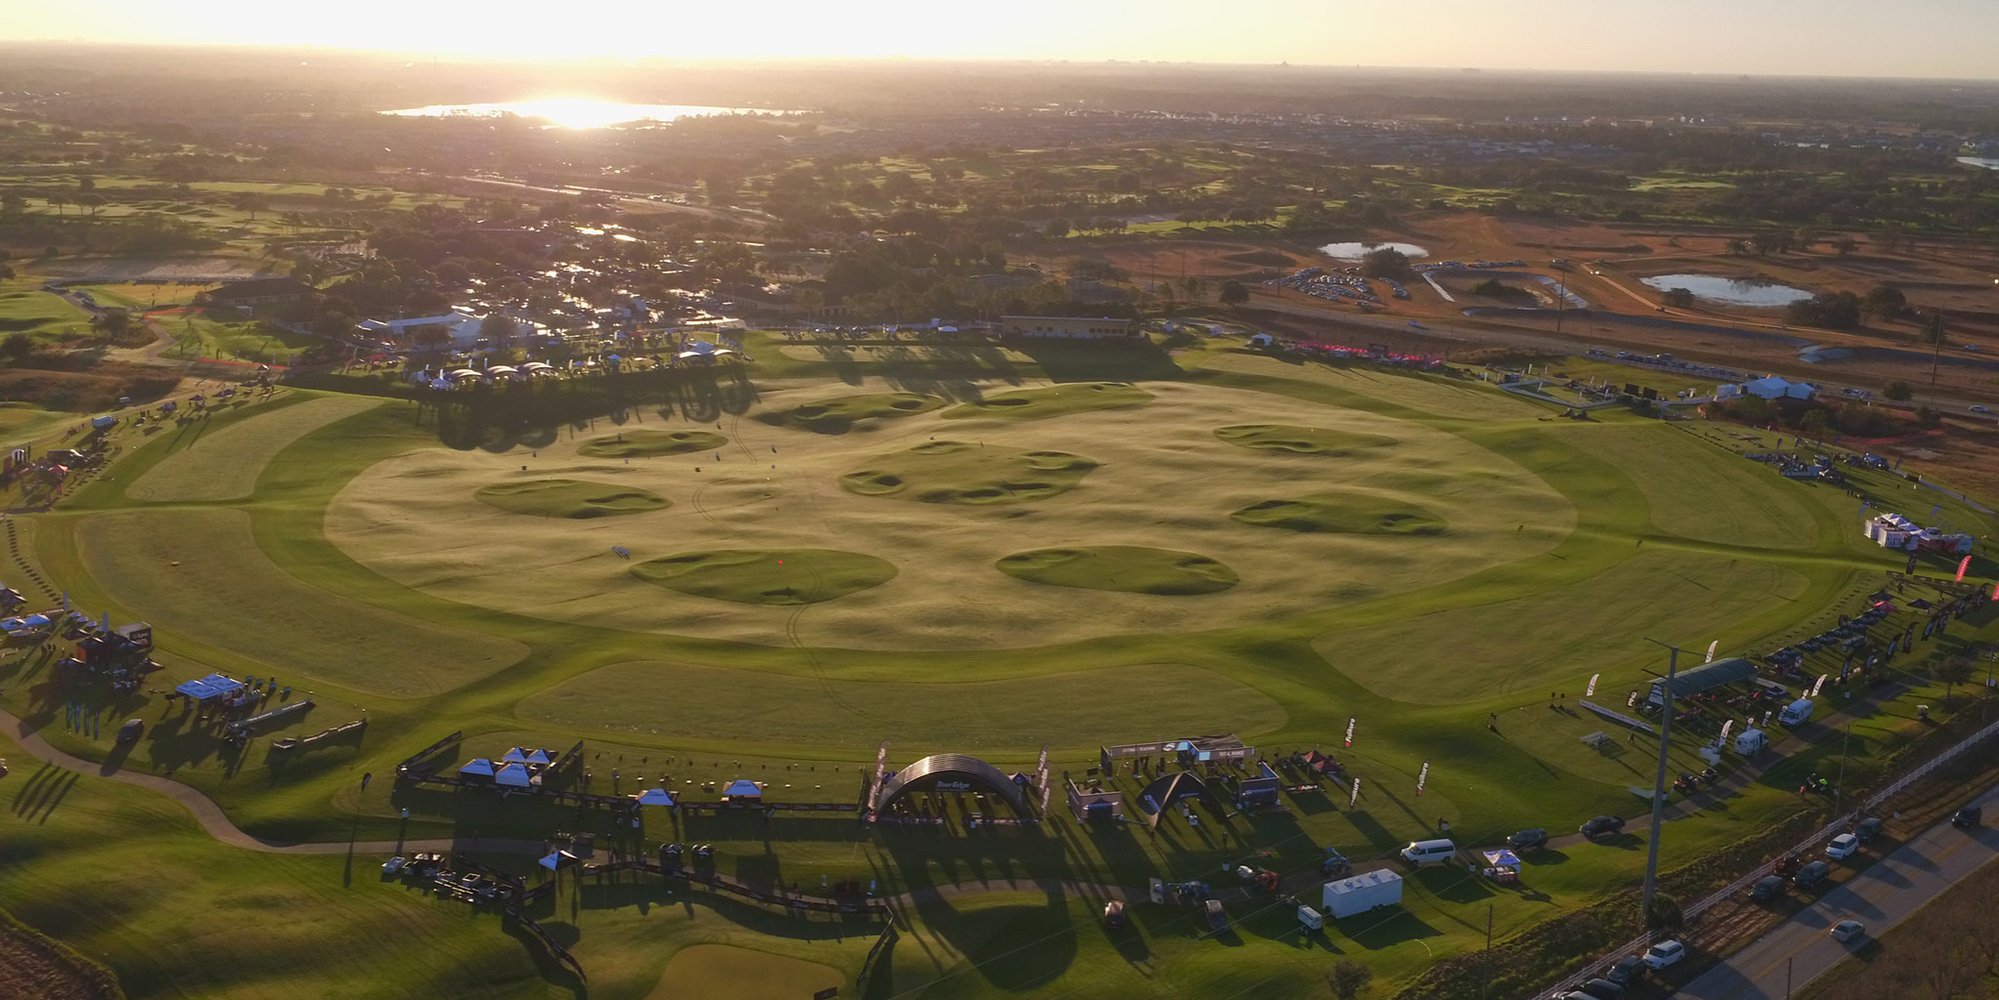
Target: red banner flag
x: 1963, y: 568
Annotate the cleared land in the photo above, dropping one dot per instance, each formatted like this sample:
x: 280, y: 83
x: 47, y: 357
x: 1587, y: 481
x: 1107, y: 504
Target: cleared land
x: 648, y: 443
x: 1131, y: 569
x: 1351, y: 513
x: 1164, y: 481
x: 963, y: 472
x: 1053, y: 401
x: 201, y: 574
x: 767, y: 576
x: 840, y: 415
x: 571, y: 498
x: 818, y: 712
x: 225, y: 465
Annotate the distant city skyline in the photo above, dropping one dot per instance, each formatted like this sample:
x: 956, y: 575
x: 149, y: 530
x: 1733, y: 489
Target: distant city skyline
x: 1915, y: 38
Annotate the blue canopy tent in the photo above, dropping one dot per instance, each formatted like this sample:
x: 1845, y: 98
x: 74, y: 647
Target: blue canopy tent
x: 11, y: 625
x: 743, y: 788
x: 103, y: 423
x: 557, y: 860
x: 478, y: 767
x: 656, y: 797
x: 515, y: 754
x: 209, y: 688
x: 539, y: 757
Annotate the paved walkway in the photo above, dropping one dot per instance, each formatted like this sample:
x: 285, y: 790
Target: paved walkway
x: 216, y: 823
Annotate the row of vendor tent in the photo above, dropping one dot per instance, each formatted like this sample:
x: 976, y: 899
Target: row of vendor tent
x: 518, y: 755
x: 26, y: 624
x: 514, y: 774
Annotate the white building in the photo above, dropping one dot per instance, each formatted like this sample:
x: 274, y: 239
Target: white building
x: 1778, y: 387
x: 461, y: 325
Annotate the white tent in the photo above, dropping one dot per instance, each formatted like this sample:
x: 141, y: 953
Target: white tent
x: 513, y: 776
x: 1778, y: 387
x: 478, y: 766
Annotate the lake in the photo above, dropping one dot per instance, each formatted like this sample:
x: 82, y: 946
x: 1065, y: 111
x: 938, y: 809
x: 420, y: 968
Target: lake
x: 577, y: 112
x: 1355, y: 251
x: 1988, y: 162
x: 1730, y: 291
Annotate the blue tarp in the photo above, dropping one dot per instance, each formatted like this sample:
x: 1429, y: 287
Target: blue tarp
x: 103, y: 423
x: 212, y: 686
x: 12, y: 625
x: 37, y: 620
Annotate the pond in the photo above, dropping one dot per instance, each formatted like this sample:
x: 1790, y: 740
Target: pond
x: 1730, y: 291
x: 576, y: 112
x: 1357, y: 250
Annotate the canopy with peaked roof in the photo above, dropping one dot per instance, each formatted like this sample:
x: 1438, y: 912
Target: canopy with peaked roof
x: 478, y: 766
x: 514, y: 754
x: 557, y: 860
x: 513, y: 776
x: 742, y: 788
x: 539, y: 757
x: 656, y: 797
x: 1502, y: 858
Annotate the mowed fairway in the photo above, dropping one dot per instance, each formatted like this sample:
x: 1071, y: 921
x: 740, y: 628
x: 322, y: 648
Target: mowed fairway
x: 725, y: 972
x: 726, y: 707
x: 225, y: 465
x: 1158, y: 477
x: 201, y: 574
x: 570, y: 498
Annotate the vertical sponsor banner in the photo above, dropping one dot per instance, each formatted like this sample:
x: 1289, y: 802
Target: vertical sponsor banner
x: 1995, y: 591
x: 1726, y: 728
x: 1350, y: 724
x: 1422, y: 777
x: 1711, y: 647
x: 1820, y: 683
x: 1864, y: 504
x: 1354, y: 796
x: 1963, y: 568
x: 1590, y: 691
x: 881, y: 768
x: 1041, y: 778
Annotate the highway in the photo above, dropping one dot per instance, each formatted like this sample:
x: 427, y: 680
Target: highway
x: 1799, y: 950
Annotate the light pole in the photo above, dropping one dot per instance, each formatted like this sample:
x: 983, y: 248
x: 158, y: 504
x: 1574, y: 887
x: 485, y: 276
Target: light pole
x: 1659, y: 784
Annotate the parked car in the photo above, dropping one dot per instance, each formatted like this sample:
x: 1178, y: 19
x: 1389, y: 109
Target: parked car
x: 1980, y: 408
x: 1967, y: 817
x: 129, y: 732
x: 1767, y: 888
x: 1847, y: 930
x: 1602, y: 826
x: 1664, y: 954
x: 1626, y: 970
x: 1842, y: 847
x: 1867, y: 829
x: 1603, y: 989
x: 1811, y: 875
x: 1528, y: 840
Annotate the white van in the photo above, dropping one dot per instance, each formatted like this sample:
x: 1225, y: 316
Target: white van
x: 1429, y: 852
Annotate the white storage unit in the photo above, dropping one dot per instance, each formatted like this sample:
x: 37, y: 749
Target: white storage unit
x: 1361, y: 893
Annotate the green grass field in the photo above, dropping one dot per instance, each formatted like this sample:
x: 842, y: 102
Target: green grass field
x: 1426, y: 556
x: 210, y: 334
x: 26, y: 309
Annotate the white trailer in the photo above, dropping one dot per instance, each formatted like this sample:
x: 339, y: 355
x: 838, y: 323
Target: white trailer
x: 1361, y: 893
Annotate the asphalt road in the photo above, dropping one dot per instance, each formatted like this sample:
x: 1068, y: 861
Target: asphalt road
x: 1799, y: 950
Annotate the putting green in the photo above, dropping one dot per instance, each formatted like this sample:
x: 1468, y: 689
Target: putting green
x: 1053, y: 401
x: 648, y: 443
x: 767, y: 576
x: 727, y: 972
x: 199, y: 574
x: 1349, y: 513
x: 963, y: 472
x: 840, y: 414
x: 225, y: 465
x: 1303, y: 440
x: 570, y: 498
x: 811, y: 712
x: 1132, y: 569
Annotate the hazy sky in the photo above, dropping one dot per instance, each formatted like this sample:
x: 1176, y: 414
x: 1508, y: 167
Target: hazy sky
x: 1947, y: 38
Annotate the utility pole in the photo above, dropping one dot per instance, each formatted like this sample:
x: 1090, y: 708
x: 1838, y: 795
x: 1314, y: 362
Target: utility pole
x: 1659, y: 785
x: 1561, y: 300
x: 1936, y: 333
x: 1485, y: 984
x: 1839, y: 782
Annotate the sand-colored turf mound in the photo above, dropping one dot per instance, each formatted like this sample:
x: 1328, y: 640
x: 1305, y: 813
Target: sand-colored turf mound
x: 839, y: 415
x: 1132, y: 569
x: 571, y: 498
x: 1053, y: 401
x: 645, y: 443
x: 726, y: 972
x: 767, y: 576
x: 963, y: 472
x: 1303, y: 440
x: 225, y: 464
x: 1349, y: 513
